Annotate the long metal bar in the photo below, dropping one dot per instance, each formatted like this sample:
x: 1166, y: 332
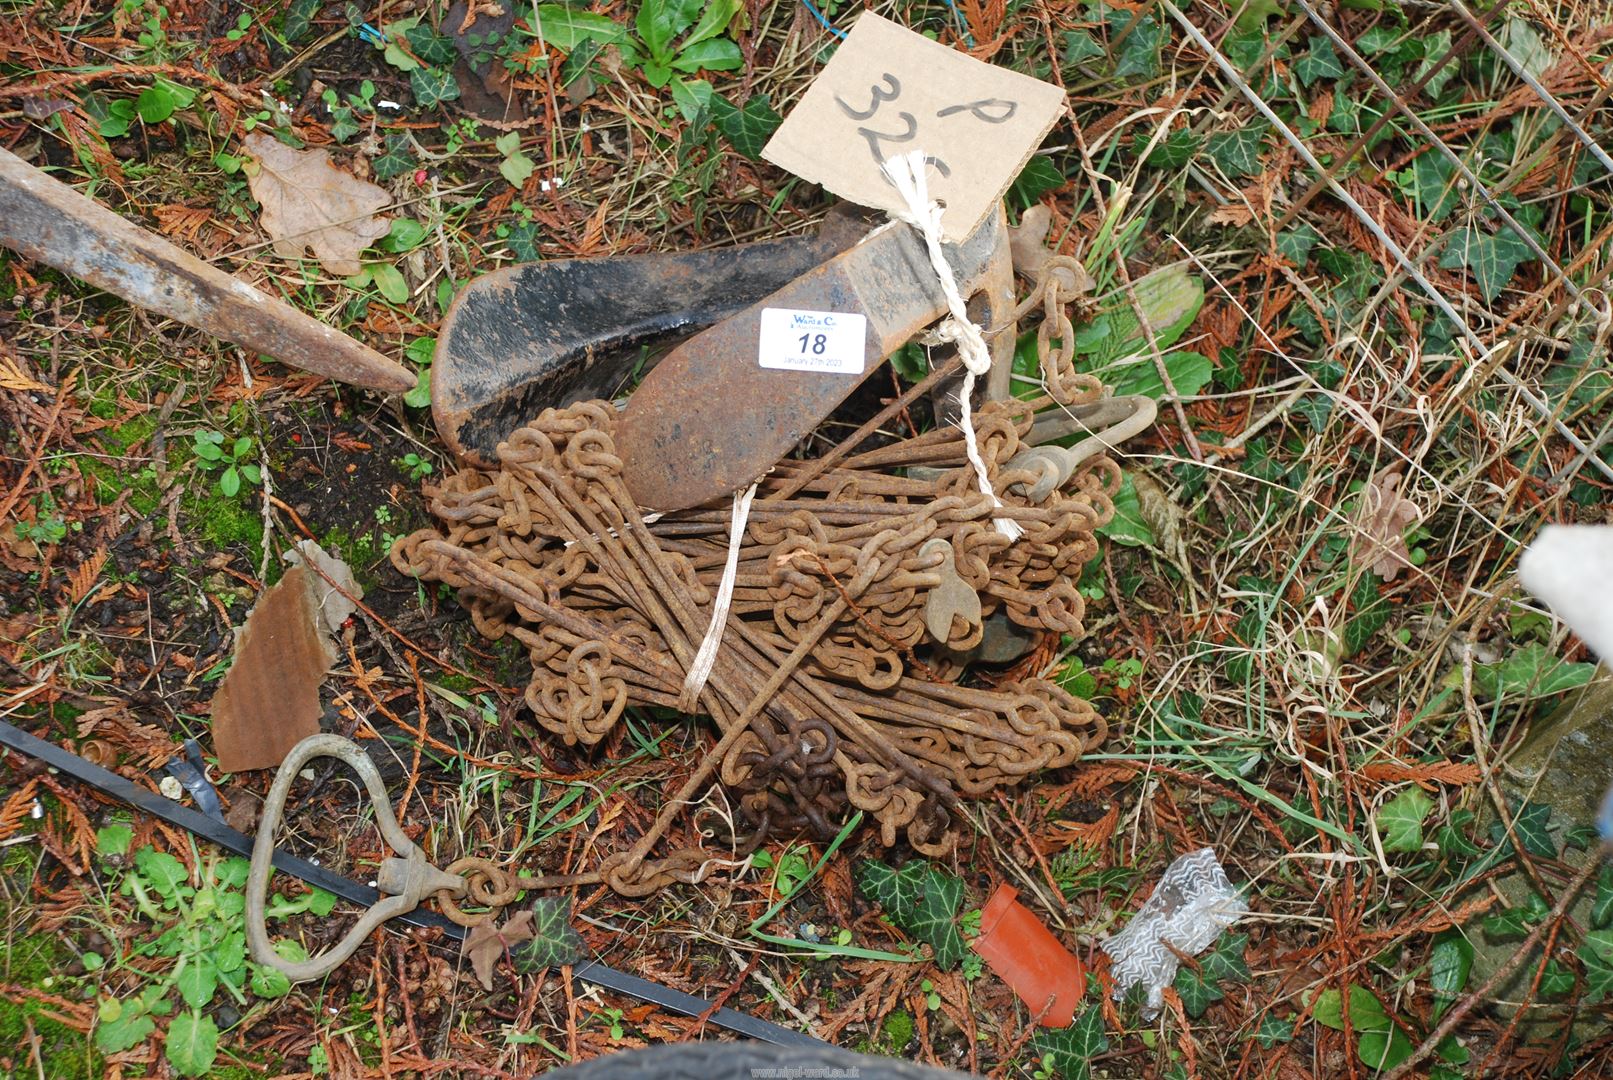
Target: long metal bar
x: 1534, y: 400
x: 1450, y: 155
x: 1547, y: 99
x: 149, y: 802
x: 49, y: 222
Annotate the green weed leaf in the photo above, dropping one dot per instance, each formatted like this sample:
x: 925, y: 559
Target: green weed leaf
x: 1073, y: 1048
x: 113, y: 839
x: 198, y: 979
x: 390, y: 283
x: 164, y: 873
x: 1037, y: 178
x: 554, y: 940
x: 1128, y: 526
x: 1533, y: 828
x: 1400, y: 820
x: 565, y: 28
x: 1530, y: 671
x: 1449, y: 965
x: 121, y: 1025
x: 192, y: 1044
x: 719, y: 54
x: 268, y: 982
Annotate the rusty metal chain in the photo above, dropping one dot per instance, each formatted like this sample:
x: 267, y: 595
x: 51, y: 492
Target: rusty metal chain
x: 863, y: 590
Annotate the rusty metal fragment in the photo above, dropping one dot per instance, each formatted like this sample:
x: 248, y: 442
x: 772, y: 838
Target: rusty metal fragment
x: 45, y: 220
x: 709, y: 420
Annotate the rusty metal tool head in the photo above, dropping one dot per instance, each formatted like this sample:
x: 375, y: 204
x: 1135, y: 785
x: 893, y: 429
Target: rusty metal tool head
x: 709, y: 419
x: 547, y: 334
x: 47, y: 221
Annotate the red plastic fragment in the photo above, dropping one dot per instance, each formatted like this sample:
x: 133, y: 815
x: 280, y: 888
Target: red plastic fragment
x: 1024, y: 954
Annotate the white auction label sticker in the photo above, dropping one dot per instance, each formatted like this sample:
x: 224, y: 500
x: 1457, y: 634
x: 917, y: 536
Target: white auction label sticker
x: 832, y: 342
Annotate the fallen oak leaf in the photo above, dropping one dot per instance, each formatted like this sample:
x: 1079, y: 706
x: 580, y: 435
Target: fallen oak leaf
x: 1381, y: 522
x: 309, y: 203
x: 486, y: 943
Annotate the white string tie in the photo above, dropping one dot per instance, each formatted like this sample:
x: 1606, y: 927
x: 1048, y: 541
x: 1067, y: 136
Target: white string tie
x: 906, y: 174
x: 706, y: 656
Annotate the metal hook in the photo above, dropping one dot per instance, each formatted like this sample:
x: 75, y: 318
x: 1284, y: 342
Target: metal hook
x: 405, y: 881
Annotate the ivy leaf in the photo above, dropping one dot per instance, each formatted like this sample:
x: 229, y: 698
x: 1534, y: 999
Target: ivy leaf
x: 1238, y: 152
x: 1435, y: 48
x: 394, y: 160
x: 433, y: 86
x: 921, y: 900
x: 299, y: 19
x: 1556, y: 980
x: 1492, y: 258
x: 1273, y: 1031
x: 1371, y: 614
x: 1529, y: 672
x: 1171, y: 152
x: 747, y: 129
x: 1037, y: 178
x: 1376, y: 40
x: 1295, y: 244
x: 1080, y: 46
x: 1225, y: 961
x: 1321, y: 62
x: 1400, y: 820
x: 1431, y: 185
x: 1072, y: 1049
x: 1602, y: 906
x: 555, y: 942
x: 191, y: 1044
x: 1197, y: 992
x: 1596, y: 953
x: 1139, y: 53
x: 1533, y: 828
x: 1449, y: 965
x: 1453, y: 841
x: 430, y: 45
x: 1514, y: 922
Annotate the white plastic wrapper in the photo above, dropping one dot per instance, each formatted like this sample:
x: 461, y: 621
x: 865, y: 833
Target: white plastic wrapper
x: 1191, y: 905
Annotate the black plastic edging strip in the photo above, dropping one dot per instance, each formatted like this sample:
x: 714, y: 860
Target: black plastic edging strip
x: 165, y: 809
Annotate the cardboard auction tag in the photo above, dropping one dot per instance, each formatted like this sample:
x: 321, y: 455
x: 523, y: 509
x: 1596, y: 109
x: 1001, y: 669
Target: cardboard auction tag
x: 888, y: 91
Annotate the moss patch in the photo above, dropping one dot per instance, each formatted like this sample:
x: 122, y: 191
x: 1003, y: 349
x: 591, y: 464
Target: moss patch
x: 223, y: 521
x: 66, y: 1054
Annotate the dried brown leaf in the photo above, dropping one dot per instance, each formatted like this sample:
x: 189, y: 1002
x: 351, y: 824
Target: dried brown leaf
x: 1381, y: 521
x: 486, y: 943
x: 308, y: 203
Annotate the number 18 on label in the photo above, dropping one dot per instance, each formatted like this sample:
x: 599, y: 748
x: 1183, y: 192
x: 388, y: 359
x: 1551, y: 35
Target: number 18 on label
x: 832, y: 342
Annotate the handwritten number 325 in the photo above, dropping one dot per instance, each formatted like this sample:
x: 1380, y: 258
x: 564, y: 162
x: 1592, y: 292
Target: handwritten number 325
x: 988, y: 110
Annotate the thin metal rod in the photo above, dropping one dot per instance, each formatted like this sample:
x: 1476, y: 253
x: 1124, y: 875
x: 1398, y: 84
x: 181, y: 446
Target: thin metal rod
x: 1450, y: 155
x: 1546, y: 97
x: 1485, y: 352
